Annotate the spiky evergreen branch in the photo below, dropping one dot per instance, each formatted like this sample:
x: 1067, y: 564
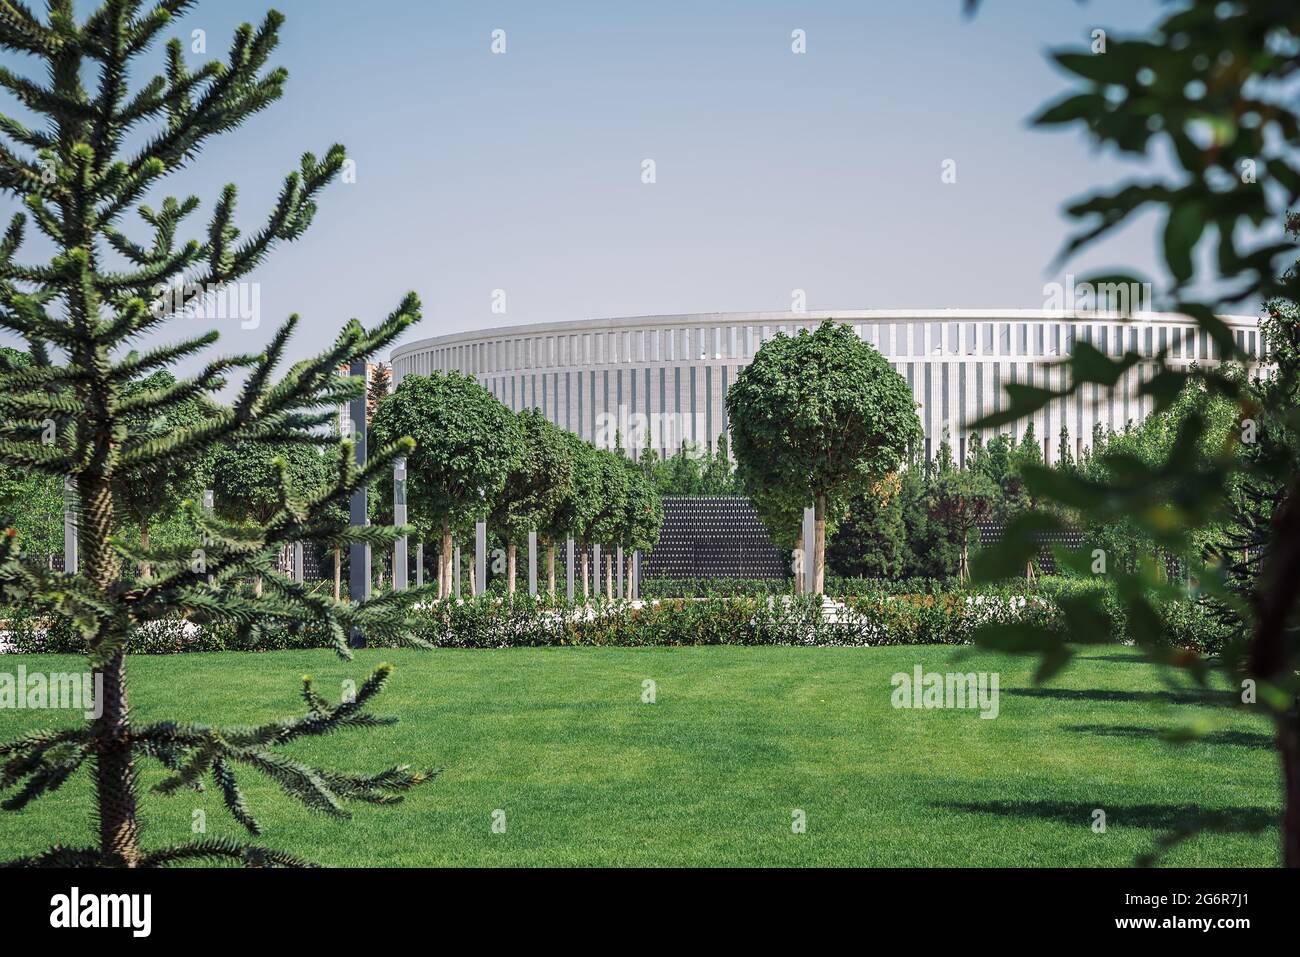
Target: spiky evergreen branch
x: 197, y: 752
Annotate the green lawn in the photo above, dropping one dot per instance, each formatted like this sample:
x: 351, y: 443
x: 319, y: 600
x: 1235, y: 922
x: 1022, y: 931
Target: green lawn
x: 711, y: 773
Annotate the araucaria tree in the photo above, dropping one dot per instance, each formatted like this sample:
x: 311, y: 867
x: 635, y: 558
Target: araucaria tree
x: 465, y: 444
x: 820, y: 415
x: 98, y: 149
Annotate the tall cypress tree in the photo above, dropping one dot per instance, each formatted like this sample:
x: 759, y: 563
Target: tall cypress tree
x: 100, y: 148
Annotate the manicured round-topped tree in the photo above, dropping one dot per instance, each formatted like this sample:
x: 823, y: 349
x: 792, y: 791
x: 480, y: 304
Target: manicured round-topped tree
x: 154, y: 493
x: 466, y: 444
x: 576, y: 509
x: 246, y: 481
x: 610, y: 480
x: 643, y: 515
x: 540, y: 478
x: 819, y: 415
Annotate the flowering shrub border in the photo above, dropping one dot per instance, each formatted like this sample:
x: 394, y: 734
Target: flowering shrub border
x: 945, y: 618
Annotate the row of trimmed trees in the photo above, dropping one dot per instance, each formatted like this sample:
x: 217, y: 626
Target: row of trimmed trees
x: 474, y: 459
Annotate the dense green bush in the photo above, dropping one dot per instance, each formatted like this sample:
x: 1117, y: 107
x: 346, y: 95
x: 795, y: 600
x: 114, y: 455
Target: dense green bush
x: 1189, y: 623
x: 942, y: 619
x: 23, y: 632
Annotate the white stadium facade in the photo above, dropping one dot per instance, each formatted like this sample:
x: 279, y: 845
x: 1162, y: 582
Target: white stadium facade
x: 665, y: 378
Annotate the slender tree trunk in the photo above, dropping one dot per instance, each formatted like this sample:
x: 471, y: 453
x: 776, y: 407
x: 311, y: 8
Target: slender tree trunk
x: 115, y: 785
x: 609, y: 575
x: 963, y: 565
x: 585, y: 592
x: 550, y: 569
x: 445, y: 576
x: 338, y: 574
x: 798, y: 569
x: 512, y: 557
x: 257, y: 586
x: 146, y: 570
x: 628, y: 591
x: 819, y: 545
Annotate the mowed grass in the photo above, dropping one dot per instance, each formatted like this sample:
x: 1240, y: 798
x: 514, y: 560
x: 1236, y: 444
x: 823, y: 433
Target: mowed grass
x: 713, y: 771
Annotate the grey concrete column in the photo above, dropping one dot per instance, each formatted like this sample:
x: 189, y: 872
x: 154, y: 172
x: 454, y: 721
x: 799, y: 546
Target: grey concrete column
x: 636, y: 576
x: 399, y: 518
x: 480, y: 557
x: 70, y: 557
x: 595, y: 571
x: 532, y: 564
x: 419, y: 565
x: 809, y: 546
x: 299, y: 563
x: 618, y: 573
x: 568, y: 568
x: 359, y: 553
x: 455, y: 571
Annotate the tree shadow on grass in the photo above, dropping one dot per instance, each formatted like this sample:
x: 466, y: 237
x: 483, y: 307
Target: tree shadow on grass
x: 1175, y: 823
x: 1137, y: 657
x: 1241, y: 739
x: 1156, y: 817
x: 1213, y: 698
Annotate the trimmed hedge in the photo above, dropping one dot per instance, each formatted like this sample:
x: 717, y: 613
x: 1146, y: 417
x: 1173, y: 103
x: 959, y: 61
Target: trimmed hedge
x: 26, y: 634
x: 492, y: 622
x: 527, y: 622
x: 1189, y: 622
x: 835, y: 586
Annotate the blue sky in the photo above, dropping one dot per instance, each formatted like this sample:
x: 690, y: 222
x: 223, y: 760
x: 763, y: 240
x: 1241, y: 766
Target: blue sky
x: 775, y: 171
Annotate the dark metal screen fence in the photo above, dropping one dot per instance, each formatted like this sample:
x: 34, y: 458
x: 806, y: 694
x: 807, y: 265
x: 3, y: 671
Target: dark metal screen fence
x: 713, y: 537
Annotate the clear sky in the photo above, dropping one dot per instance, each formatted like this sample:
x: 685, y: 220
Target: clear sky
x: 775, y: 171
